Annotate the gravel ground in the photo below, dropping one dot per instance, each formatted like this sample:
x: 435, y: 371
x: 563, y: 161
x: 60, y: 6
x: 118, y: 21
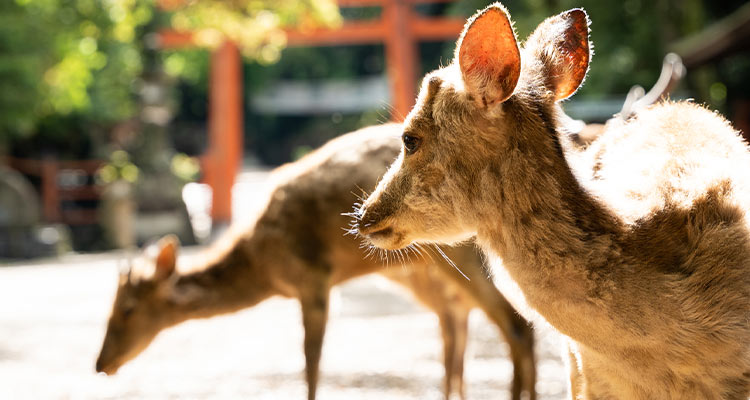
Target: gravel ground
x: 379, y: 345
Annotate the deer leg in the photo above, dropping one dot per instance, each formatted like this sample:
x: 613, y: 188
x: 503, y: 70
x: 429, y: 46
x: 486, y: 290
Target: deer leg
x: 521, y: 342
x: 520, y: 337
x: 454, y: 327
x: 517, y: 333
x: 516, y: 330
x: 462, y: 330
x: 314, y: 318
x: 447, y: 327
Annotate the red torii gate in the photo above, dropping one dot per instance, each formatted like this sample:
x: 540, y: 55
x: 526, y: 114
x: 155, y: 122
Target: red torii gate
x: 399, y: 28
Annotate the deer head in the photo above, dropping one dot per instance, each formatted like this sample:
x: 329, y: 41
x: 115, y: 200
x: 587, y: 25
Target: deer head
x: 472, y: 119
x: 140, y: 308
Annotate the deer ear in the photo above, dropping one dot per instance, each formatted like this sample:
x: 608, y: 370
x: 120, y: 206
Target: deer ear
x: 166, y: 260
x: 561, y: 43
x: 488, y: 55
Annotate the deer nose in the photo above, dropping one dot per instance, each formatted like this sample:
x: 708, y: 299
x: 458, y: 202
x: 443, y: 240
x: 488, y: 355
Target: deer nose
x: 100, y: 366
x: 371, y: 223
x: 365, y: 222
x: 106, y: 364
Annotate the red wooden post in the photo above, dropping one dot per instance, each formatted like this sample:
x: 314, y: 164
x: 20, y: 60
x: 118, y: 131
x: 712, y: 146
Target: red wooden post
x: 400, y: 29
x: 50, y: 193
x: 224, y: 129
x: 401, y: 57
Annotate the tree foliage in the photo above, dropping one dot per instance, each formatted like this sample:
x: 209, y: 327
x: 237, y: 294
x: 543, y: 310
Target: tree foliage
x: 62, y: 57
x: 256, y: 25
x: 82, y: 60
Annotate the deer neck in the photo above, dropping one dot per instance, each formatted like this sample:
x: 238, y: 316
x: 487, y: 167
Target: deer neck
x: 549, y: 232
x: 227, y: 284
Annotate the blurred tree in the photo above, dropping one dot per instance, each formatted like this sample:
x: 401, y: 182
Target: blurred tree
x: 78, y: 63
x: 67, y: 62
x: 256, y: 25
x: 84, y: 78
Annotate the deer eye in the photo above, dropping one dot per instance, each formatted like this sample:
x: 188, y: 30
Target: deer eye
x: 411, y: 143
x: 127, y: 308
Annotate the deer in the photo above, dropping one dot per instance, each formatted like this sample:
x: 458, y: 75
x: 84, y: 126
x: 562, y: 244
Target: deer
x: 636, y: 250
x: 297, y: 247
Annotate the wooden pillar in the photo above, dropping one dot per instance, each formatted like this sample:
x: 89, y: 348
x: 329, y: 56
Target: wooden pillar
x: 401, y: 57
x: 224, y: 129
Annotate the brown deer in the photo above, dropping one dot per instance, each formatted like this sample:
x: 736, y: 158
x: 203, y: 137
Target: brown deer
x: 636, y: 249
x: 297, y: 248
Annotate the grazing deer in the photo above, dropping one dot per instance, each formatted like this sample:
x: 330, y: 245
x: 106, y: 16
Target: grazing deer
x: 297, y: 248
x: 637, y: 249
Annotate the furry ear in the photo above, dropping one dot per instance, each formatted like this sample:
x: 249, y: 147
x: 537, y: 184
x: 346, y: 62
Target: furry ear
x: 166, y: 260
x: 488, y: 55
x: 562, y: 45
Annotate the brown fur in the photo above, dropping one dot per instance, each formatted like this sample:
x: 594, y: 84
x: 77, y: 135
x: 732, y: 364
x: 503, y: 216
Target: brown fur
x: 636, y: 248
x: 297, y: 248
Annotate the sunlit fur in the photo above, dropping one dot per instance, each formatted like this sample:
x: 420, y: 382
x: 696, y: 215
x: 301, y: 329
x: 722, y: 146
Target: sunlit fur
x: 636, y: 249
x: 297, y: 248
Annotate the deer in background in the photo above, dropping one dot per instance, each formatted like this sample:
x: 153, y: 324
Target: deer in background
x: 297, y: 248
x: 637, y: 249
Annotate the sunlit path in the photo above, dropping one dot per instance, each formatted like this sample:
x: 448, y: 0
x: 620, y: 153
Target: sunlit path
x: 379, y: 346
